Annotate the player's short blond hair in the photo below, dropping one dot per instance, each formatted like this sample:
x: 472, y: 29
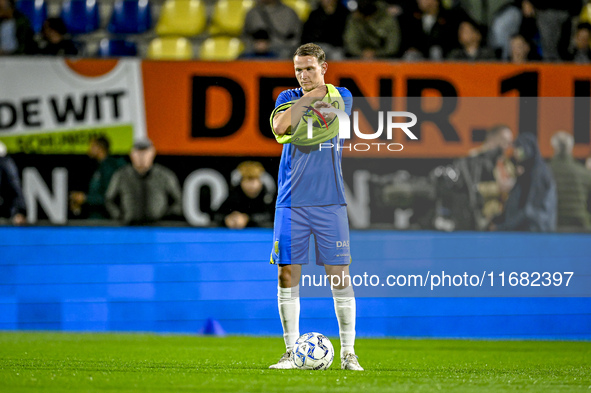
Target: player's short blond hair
x: 251, y: 169
x: 311, y: 50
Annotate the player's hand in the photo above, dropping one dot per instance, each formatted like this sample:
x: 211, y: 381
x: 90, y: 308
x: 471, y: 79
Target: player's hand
x: 318, y: 92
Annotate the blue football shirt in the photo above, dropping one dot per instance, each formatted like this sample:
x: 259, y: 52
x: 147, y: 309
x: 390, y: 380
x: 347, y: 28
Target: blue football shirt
x: 308, y: 175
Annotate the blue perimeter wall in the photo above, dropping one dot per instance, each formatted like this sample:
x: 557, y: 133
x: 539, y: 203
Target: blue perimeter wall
x: 174, y: 279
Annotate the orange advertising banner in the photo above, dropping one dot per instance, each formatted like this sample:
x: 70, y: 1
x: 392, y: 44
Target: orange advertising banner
x: 222, y: 109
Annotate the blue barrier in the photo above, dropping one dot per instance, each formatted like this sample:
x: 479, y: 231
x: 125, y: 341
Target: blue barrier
x: 175, y: 279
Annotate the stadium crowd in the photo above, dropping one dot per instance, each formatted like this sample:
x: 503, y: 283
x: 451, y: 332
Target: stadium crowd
x: 410, y: 30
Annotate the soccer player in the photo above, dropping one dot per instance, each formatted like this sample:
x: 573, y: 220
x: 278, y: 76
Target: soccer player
x: 311, y: 201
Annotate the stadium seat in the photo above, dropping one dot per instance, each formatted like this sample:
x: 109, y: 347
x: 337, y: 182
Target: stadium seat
x: 35, y: 11
x: 81, y: 16
x: 170, y: 48
x: 301, y: 7
x: 116, y: 48
x: 130, y: 17
x: 182, y: 17
x: 221, y: 48
x: 228, y: 16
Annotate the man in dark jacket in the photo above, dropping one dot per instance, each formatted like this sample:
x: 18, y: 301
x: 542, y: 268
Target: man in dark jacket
x: 326, y: 24
x: 55, y: 40
x: 98, y: 150
x: 371, y: 33
x: 430, y: 32
x: 532, y: 203
x: 143, y: 192
x: 553, y: 19
x: 279, y: 21
x: 12, y: 202
x: 471, y: 48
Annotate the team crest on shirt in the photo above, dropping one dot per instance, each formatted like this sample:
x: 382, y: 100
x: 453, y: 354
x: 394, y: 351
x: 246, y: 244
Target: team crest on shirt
x: 315, y: 115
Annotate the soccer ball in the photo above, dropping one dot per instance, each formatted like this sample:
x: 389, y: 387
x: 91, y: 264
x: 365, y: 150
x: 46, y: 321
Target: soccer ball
x: 313, y: 351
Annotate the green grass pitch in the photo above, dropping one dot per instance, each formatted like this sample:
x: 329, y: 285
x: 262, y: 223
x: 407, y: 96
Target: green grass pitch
x: 60, y: 362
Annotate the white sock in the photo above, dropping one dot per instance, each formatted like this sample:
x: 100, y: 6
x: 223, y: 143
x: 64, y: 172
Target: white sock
x: 344, y: 306
x: 288, y: 300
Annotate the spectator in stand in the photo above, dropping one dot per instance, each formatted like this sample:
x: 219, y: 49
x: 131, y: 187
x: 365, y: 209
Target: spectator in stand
x: 484, y: 12
x: 553, y: 19
x: 16, y: 34
x: 528, y: 27
x: 515, y: 17
x: 326, y: 26
x: 143, y: 192
x: 55, y: 40
x: 430, y: 32
x: 471, y: 49
x: 581, y: 51
x: 98, y: 150
x: 279, y: 21
x: 532, y: 202
x: 371, y: 33
x: 250, y: 204
x: 261, y: 47
x: 501, y: 19
x: 12, y: 202
x: 521, y: 50
x: 505, y: 24
x: 573, y: 185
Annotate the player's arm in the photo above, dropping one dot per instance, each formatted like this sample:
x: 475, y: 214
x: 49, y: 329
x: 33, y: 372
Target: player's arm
x: 282, y: 122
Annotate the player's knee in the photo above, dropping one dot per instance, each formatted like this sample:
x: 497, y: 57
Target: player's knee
x: 289, y: 275
x: 339, y: 276
x: 285, y: 277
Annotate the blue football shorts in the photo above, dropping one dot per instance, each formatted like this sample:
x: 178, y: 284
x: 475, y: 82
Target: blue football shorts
x: 329, y: 225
